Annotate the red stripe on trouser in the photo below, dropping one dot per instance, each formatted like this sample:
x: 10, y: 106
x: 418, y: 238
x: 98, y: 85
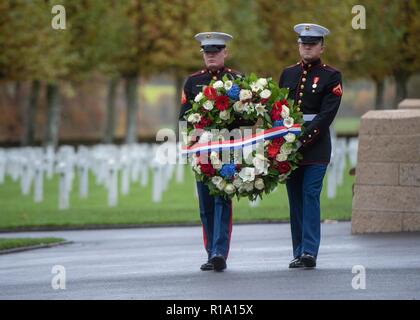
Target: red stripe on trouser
x: 204, y: 238
x: 230, y: 229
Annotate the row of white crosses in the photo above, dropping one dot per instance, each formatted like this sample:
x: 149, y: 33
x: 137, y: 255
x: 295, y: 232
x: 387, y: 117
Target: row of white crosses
x: 114, y: 167
x: 342, y: 149
x: 117, y: 167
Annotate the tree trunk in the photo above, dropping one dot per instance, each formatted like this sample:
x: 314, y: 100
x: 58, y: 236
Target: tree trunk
x: 53, y: 116
x: 401, y: 80
x: 110, y: 112
x: 28, y: 117
x: 379, y: 98
x: 132, y: 108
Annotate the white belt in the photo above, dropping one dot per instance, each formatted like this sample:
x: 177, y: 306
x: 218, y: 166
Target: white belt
x: 309, y: 117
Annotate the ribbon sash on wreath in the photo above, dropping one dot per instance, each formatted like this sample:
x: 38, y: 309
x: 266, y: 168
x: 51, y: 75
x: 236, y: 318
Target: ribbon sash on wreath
x: 267, y: 134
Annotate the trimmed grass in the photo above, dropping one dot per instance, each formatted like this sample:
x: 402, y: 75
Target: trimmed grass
x: 179, y: 205
x: 347, y: 125
x: 11, y: 243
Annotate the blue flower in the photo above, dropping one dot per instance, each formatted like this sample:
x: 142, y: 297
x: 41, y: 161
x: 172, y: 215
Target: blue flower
x: 233, y: 92
x: 278, y: 123
x: 228, y: 170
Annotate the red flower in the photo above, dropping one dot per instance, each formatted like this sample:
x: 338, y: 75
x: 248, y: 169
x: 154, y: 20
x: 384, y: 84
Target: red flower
x: 203, y: 123
x: 272, y: 150
x: 264, y: 101
x: 284, y: 167
x: 210, y: 93
x: 222, y: 103
x: 276, y: 111
x: 279, y: 141
x: 285, y: 102
x: 208, y: 170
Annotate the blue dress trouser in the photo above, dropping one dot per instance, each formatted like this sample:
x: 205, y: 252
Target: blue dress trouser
x: 216, y: 217
x: 304, y: 189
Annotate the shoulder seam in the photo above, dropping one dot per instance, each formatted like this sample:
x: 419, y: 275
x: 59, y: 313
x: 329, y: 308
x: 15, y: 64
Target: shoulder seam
x: 292, y: 65
x: 330, y: 68
x: 233, y: 70
x: 197, y: 73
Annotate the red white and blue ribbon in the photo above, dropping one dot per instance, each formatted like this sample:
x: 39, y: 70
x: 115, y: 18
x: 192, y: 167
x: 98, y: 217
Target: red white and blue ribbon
x: 218, y: 146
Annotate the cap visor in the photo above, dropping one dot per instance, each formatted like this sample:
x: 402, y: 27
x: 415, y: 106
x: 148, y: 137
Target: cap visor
x: 212, y: 48
x: 309, y: 40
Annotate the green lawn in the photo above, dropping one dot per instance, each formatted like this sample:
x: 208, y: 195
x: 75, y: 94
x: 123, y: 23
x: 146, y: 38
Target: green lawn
x: 348, y: 125
x: 179, y: 205
x: 12, y: 243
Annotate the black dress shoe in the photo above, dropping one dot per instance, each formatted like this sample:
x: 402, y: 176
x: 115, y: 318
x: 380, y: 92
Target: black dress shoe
x: 296, y: 263
x: 308, y: 261
x: 219, y: 262
x: 207, y: 266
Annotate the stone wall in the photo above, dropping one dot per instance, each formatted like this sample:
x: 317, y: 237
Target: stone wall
x: 409, y: 104
x: 387, y: 188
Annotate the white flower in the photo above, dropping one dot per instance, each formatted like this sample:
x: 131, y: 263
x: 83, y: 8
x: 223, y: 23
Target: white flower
x: 281, y: 157
x: 255, y: 87
x: 214, y: 160
x: 218, y: 84
x: 245, y: 95
x: 247, y: 174
x: 290, y: 137
x: 288, y: 122
x: 286, y: 149
x: 262, y: 82
x: 225, y: 115
x: 260, y: 109
x: 216, y: 180
x: 197, y: 169
x: 198, y: 97
x: 259, y: 184
x: 214, y: 155
x: 194, y: 164
x: 261, y: 164
x: 217, y: 164
x: 285, y: 111
x: 208, y: 105
x: 228, y: 85
x: 194, y: 118
x: 194, y: 160
x: 249, y: 108
x: 237, y: 182
x: 206, y: 137
x: 221, y: 185
x: 265, y: 94
x: 191, y: 138
x: 230, y: 188
x: 238, y: 106
x: 249, y: 186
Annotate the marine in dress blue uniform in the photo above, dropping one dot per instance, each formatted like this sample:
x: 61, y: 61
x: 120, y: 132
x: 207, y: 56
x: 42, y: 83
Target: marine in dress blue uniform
x: 215, y: 211
x: 317, y: 89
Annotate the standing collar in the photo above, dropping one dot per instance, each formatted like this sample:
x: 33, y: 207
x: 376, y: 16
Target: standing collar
x: 307, y: 66
x: 216, y: 72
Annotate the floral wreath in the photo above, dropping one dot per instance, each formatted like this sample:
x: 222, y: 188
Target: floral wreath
x: 261, y: 102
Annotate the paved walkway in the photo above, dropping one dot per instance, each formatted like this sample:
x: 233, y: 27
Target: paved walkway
x: 163, y: 263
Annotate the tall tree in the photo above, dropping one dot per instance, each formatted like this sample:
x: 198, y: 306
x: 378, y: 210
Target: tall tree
x: 406, y: 60
x: 96, y: 37
x: 31, y: 51
x: 279, y: 17
x: 379, y: 41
